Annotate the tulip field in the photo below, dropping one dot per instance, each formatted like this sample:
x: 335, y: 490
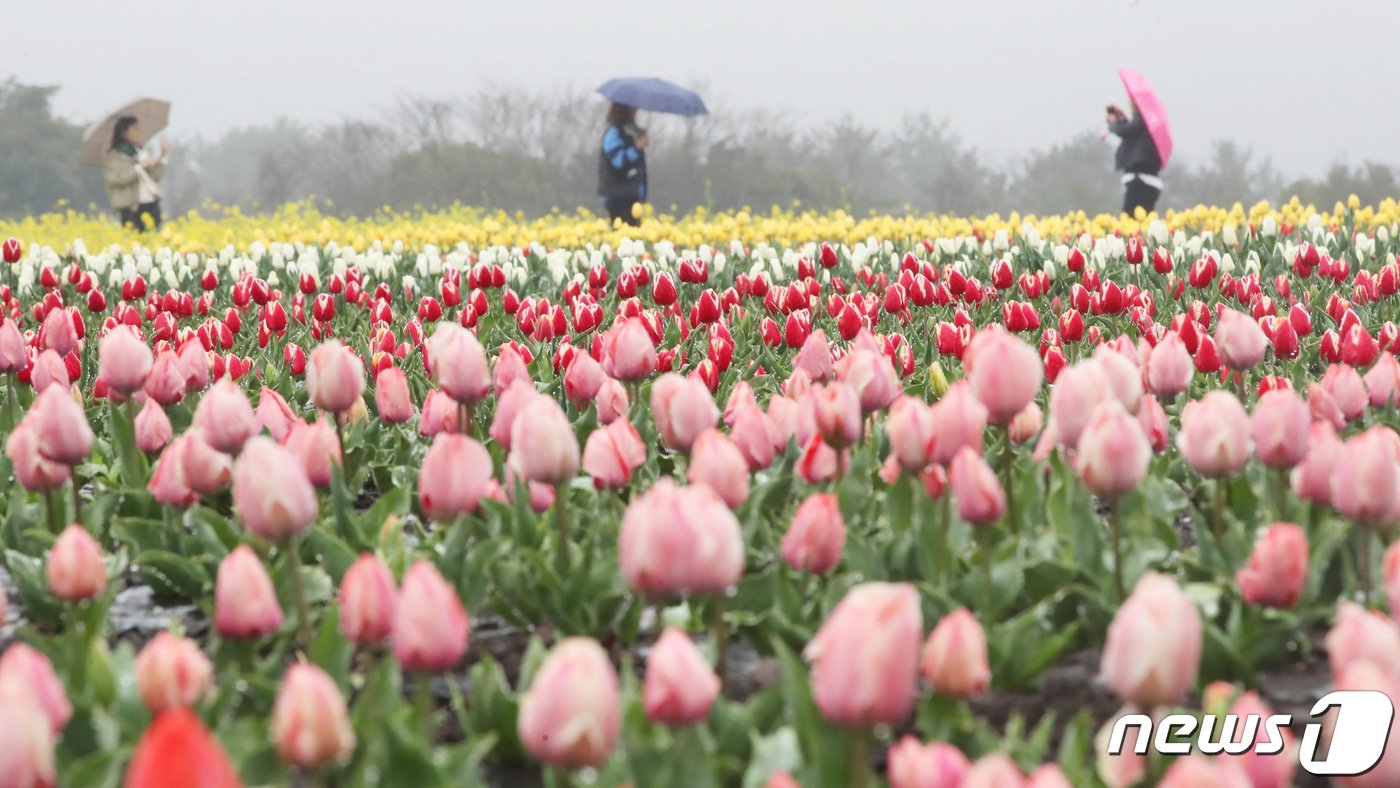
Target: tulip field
x: 784, y: 500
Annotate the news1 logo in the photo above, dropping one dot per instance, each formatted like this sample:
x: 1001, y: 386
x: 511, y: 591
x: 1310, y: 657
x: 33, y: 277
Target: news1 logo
x: 1360, y: 728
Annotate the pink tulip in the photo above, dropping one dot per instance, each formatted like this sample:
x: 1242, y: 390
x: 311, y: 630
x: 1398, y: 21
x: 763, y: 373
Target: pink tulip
x: 508, y: 407
x: 782, y: 412
x: 431, y: 627
x: 1027, y: 424
x: 205, y: 470
x: 1048, y: 775
x: 1153, y: 421
x: 1348, y: 390
x: 27, y: 757
x: 1361, y: 635
x: 1113, y: 453
x: 1383, y: 382
x: 756, y: 436
x: 316, y: 447
x: 1004, y: 372
x: 509, y: 368
x: 172, y: 673
x: 74, y: 569
x: 1169, y: 367
x: 817, y: 535
x: 865, y: 657
x: 57, y: 333
x: 153, y: 430
x: 976, y: 489
x: 1154, y: 644
x: 1073, y: 399
x: 13, y: 357
x: 1214, y: 435
x: 1239, y: 340
x: 959, y: 419
x: 1390, y: 574
x: 1311, y: 479
x: 32, y: 470
x: 583, y: 379
x: 628, y: 353
x: 994, y: 771
x: 612, y: 403
x: 124, y: 361
x: 797, y: 384
x: 1366, y: 487
x: 1280, y: 425
x: 836, y: 414
x: 273, y: 414
x: 1127, y: 768
x: 910, y: 429
x: 954, y: 659
x: 166, y: 381
x: 872, y: 377
x: 310, y: 722
x: 680, y: 540
x: 570, y: 715
x: 335, y: 376
x: 1198, y: 771
x: 225, y: 417
x: 682, y: 408
x: 541, y: 496
x: 368, y: 600
x: 1365, y: 675
x: 391, y: 396
x: 543, y: 446
x: 718, y: 464
x: 934, y: 765
x: 245, y: 604
x: 680, y: 685
x: 195, y: 362
x: 66, y: 435
x: 612, y: 453
x: 1123, y: 376
x: 453, y: 477
x: 818, y: 462
x: 25, y: 673
x: 815, y: 358
x: 440, y: 414
x: 1263, y: 771
x: 1278, y: 568
x: 272, y: 492
x: 458, y: 363
x: 740, y: 398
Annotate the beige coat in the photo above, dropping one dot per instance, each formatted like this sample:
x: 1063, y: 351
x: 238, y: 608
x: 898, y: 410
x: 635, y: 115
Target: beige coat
x: 123, y: 183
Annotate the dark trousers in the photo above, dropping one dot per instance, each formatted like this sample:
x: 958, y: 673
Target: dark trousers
x: 621, y: 208
x: 1139, y: 195
x: 145, y: 216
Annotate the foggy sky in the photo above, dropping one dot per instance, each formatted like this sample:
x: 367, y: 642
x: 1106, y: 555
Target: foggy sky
x: 1303, y: 82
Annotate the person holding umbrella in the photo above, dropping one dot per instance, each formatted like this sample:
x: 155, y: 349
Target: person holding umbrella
x: 622, y: 164
x: 133, y: 179
x: 1145, y: 144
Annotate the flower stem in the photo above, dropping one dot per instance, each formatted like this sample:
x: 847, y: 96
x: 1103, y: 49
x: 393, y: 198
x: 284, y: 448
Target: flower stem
x: 423, y: 691
x: 984, y: 539
x: 1115, y: 530
x: 1364, y: 539
x: 561, y: 527
x: 1281, y: 493
x: 860, y: 758
x: 721, y: 635
x: 54, y: 506
x: 1007, y: 464
x: 298, y: 592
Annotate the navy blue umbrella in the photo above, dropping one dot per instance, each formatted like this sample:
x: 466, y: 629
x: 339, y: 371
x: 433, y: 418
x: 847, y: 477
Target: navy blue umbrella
x: 653, y: 95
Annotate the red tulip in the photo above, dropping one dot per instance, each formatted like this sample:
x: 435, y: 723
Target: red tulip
x: 177, y: 750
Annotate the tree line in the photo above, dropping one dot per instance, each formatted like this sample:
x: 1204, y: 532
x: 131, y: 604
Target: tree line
x: 534, y: 151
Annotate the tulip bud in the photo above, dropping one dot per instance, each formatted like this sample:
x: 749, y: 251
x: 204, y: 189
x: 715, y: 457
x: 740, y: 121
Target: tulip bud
x: 271, y: 491
x: 612, y: 453
x: 457, y: 363
x: 171, y: 672
x: 368, y: 600
x: 430, y: 625
x: 1278, y: 568
x: 910, y: 429
x: 628, y: 352
x: 1215, y: 437
x: 1348, y: 390
x: 177, y: 749
x: 865, y: 657
x: 544, y: 448
x: 245, y: 604
x: 680, y: 540
x: 583, y: 379
x: 994, y: 771
x: 273, y: 414
x: 65, y: 434
x: 1263, y: 771
x: 1239, y: 340
x: 124, y: 361
x: 611, y: 403
x: 1280, y: 424
x: 74, y: 569
x: 1153, y: 647
x: 225, y: 417
x: 816, y: 536
x: 335, y: 376
x: 682, y: 408
x: 836, y: 413
x: 27, y: 757
x: 316, y: 447
x: 570, y: 715
x: 310, y: 722
x: 680, y: 685
x: 1311, y: 479
x: 1113, y: 452
x: 815, y: 358
x: 959, y: 419
x: 933, y: 765
x: 391, y: 396
x: 153, y: 430
x: 1366, y: 487
x: 976, y: 488
x: 1169, y: 367
x: 1026, y: 424
x: 718, y: 464
x: 955, y: 656
x: 1004, y: 372
x: 27, y: 675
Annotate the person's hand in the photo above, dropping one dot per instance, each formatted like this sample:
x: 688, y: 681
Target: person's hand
x: 164, y: 147
x: 643, y: 141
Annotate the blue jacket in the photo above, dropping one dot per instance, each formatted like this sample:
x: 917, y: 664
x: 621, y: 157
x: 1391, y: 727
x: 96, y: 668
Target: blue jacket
x: 622, y: 166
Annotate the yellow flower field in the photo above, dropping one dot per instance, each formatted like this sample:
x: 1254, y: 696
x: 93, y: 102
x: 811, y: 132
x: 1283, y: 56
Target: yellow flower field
x: 214, y: 227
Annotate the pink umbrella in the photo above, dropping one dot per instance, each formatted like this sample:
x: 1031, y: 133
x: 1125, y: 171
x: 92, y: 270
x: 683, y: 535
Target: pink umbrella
x: 1154, y: 115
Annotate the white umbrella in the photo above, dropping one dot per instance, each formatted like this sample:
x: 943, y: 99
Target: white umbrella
x: 152, y: 114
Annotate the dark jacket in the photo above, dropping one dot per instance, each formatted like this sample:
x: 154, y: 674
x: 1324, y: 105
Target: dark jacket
x: 622, y: 166
x: 1137, y: 152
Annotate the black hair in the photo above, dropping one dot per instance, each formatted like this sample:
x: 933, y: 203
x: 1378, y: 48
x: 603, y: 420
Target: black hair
x: 120, y: 127
x: 621, y: 115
